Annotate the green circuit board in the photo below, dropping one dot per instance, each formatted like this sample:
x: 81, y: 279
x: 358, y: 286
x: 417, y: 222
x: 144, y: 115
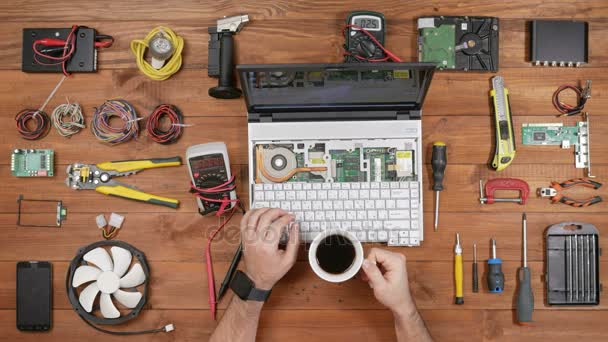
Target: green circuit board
x: 374, y: 160
x: 437, y: 46
x: 549, y: 134
x: 32, y: 163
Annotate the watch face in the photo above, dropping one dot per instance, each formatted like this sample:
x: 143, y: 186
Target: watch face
x: 241, y: 285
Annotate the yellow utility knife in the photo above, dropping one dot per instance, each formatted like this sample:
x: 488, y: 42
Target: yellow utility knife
x: 100, y: 177
x: 505, y: 140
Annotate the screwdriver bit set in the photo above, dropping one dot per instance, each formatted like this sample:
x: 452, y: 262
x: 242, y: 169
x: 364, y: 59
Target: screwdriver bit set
x: 573, y: 253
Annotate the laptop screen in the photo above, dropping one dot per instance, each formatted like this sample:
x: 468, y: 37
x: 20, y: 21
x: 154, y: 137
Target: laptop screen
x: 335, y: 87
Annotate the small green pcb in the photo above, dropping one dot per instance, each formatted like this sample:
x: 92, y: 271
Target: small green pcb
x: 32, y: 163
x: 437, y: 46
x: 549, y: 134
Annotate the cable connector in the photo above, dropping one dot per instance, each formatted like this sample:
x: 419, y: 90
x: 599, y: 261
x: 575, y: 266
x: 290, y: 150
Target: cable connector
x: 169, y: 327
x: 116, y: 220
x: 101, y: 221
x: 587, y: 90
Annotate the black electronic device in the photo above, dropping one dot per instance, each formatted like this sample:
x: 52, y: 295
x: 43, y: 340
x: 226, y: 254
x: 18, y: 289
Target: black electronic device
x: 245, y: 289
x: 62, y: 49
x: 34, y: 295
x: 210, y: 175
x: 559, y: 43
x: 459, y: 43
x: 359, y: 46
x: 220, y: 57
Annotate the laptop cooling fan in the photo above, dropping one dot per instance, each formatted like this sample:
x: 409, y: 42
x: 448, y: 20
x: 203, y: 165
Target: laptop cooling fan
x: 107, y: 284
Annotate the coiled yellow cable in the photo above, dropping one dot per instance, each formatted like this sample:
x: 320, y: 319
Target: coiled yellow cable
x: 172, y: 65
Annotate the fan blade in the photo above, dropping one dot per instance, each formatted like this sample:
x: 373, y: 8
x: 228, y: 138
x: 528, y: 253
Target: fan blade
x: 108, y: 310
x: 134, y: 277
x: 128, y: 299
x: 122, y: 260
x: 100, y: 258
x: 87, y: 296
x: 85, y: 274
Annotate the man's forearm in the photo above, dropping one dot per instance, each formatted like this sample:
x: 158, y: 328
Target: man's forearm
x: 409, y: 325
x: 239, y: 323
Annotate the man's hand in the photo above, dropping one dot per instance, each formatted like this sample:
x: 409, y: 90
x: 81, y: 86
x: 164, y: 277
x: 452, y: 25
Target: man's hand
x: 386, y: 273
x: 261, y: 231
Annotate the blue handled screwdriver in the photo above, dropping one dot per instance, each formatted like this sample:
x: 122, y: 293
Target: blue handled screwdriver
x: 496, y: 279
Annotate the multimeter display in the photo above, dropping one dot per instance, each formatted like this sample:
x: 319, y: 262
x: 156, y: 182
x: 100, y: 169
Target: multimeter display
x: 208, y: 170
x: 367, y: 22
x: 359, y: 46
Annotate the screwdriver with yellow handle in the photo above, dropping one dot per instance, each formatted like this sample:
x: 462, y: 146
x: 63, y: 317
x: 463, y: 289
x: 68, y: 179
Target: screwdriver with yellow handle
x: 458, y: 271
x: 438, y: 162
x: 100, y: 177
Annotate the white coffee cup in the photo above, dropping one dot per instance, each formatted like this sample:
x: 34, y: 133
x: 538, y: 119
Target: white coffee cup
x: 350, y: 271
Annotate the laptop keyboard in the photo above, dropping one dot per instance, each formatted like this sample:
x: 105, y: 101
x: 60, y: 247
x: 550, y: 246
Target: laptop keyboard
x: 374, y: 212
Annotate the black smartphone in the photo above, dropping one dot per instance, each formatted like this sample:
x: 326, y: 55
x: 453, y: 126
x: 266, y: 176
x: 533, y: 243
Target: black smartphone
x: 34, y: 295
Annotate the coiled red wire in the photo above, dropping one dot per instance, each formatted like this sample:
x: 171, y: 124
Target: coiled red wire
x: 41, y: 127
x: 154, y: 123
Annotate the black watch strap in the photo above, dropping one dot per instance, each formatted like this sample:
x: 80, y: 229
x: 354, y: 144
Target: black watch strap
x: 245, y: 289
x: 259, y: 295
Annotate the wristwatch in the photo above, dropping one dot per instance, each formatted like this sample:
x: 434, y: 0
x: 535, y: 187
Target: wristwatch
x: 245, y: 288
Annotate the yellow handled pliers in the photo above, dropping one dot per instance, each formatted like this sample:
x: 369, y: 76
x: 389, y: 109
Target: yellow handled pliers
x: 101, y: 178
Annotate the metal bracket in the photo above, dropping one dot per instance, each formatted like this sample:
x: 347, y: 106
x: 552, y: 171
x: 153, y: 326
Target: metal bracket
x: 62, y: 213
x: 582, y: 149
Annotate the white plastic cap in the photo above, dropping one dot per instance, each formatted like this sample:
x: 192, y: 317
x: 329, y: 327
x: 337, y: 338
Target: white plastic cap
x: 101, y: 221
x: 116, y: 220
x: 169, y: 327
x: 157, y: 63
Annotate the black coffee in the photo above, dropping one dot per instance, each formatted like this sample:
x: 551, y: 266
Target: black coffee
x: 335, y: 254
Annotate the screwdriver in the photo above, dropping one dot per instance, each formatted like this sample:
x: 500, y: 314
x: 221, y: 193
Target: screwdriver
x: 496, y: 279
x: 525, y: 298
x: 475, y: 282
x: 438, y: 162
x: 458, y: 270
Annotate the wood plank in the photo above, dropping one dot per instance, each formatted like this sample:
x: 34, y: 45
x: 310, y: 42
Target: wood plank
x: 183, y: 285
x: 340, y: 325
x: 183, y: 235
x: 548, y: 326
x: 530, y: 90
x: 45, y: 10
x: 320, y: 41
x: 456, y: 131
x: 461, y: 194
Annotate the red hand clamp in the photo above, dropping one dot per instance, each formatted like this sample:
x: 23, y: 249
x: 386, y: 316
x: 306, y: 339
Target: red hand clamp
x: 492, y: 185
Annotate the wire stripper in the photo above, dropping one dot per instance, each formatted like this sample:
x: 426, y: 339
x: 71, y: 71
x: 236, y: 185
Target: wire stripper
x: 100, y: 177
x: 555, y: 192
x: 505, y: 141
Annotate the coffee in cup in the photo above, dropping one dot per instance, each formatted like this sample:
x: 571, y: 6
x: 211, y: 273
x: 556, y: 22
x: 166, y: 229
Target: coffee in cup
x: 335, y: 255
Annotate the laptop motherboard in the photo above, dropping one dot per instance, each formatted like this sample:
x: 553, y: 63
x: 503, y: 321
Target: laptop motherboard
x: 375, y: 160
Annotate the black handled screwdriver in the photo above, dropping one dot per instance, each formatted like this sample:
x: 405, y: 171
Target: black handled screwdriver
x: 496, y: 279
x: 475, y: 280
x: 438, y: 162
x: 525, y: 297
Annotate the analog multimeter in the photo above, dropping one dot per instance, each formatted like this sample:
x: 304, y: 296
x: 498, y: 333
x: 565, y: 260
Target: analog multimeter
x: 209, y: 167
x: 360, y: 44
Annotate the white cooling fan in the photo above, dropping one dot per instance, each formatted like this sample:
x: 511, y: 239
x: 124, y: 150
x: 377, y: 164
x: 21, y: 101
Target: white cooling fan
x: 111, y: 271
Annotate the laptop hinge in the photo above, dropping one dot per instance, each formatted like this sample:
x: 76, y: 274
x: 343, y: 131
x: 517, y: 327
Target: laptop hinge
x: 334, y: 116
x: 409, y: 115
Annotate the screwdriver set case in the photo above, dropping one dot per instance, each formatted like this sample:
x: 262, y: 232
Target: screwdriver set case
x: 572, y: 274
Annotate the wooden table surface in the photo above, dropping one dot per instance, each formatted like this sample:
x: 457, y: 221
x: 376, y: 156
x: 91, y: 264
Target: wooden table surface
x: 302, y: 307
